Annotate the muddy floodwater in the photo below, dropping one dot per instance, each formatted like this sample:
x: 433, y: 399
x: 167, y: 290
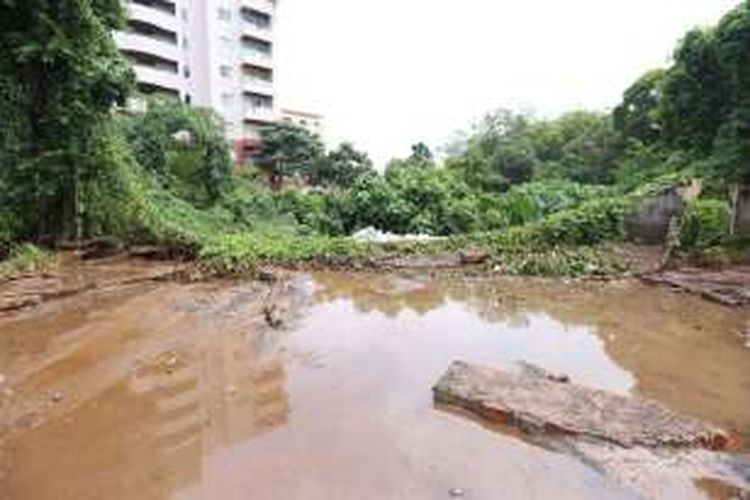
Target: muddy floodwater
x: 176, y: 391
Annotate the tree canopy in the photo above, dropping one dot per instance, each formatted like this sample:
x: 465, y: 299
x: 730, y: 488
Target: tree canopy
x: 341, y: 167
x: 700, y: 104
x: 288, y: 149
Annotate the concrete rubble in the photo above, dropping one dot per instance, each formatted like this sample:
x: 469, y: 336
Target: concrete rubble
x: 536, y: 401
x: 728, y: 287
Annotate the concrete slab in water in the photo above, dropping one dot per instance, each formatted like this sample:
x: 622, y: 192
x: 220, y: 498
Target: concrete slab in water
x: 534, y: 400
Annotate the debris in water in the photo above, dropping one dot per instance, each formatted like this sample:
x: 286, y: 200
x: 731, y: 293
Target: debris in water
x: 531, y: 400
x: 272, y: 315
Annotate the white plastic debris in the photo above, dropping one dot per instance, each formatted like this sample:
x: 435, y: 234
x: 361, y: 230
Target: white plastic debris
x: 373, y: 235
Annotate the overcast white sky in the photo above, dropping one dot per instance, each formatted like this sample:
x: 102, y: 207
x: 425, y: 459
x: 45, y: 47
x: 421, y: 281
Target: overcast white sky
x: 389, y: 73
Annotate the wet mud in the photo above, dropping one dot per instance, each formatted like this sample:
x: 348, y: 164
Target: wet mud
x: 162, y: 390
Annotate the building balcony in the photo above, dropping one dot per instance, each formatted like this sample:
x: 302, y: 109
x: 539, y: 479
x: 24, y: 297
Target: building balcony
x: 256, y: 31
x: 152, y: 15
x: 135, y: 42
x: 159, y: 78
x: 257, y: 86
x: 259, y: 114
x: 257, y: 58
x: 267, y: 6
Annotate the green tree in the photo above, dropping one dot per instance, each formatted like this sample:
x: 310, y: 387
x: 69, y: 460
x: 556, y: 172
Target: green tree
x: 498, y: 153
x: 288, y: 149
x: 637, y: 117
x: 694, y: 98
x: 184, y: 147
x: 732, y: 143
x: 580, y: 145
x: 60, y: 74
x: 341, y: 167
x: 421, y: 155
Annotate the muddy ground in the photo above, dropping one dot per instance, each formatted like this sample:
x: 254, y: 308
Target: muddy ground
x: 116, y: 381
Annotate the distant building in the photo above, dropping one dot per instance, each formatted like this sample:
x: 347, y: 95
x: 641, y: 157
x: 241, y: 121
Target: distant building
x: 313, y: 122
x: 211, y: 53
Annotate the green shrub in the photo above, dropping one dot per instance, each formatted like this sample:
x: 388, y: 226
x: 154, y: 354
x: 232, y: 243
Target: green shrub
x: 593, y: 222
x: 233, y: 253
x: 705, y: 224
x: 22, y: 259
x: 562, y: 261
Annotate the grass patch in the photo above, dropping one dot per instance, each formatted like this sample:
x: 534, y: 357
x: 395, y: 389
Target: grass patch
x: 24, y: 258
x: 239, y: 253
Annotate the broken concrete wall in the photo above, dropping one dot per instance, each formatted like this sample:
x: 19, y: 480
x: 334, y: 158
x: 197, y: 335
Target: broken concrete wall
x: 649, y: 222
x: 536, y: 401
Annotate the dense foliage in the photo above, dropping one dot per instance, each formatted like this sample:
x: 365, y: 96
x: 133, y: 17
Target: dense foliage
x: 341, y: 167
x: 508, y: 148
x: 287, y: 149
x: 184, y: 147
x: 700, y: 105
x: 60, y: 75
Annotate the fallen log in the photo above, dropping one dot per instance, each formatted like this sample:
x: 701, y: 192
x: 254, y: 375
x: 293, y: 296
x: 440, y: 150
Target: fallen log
x: 533, y: 400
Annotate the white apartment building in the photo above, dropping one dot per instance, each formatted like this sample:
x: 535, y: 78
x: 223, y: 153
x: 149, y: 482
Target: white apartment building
x: 210, y: 53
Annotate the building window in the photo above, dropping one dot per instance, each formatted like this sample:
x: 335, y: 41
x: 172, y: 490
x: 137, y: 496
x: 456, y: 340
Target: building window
x: 258, y: 101
x: 259, y: 19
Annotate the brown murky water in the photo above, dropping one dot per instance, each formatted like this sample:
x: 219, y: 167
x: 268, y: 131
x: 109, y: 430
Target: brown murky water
x: 175, y: 391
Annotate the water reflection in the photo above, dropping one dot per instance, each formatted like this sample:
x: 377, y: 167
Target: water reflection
x: 217, y: 379
x: 171, y: 391
x: 621, y: 336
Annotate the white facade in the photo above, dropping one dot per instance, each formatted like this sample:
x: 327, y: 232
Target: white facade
x: 313, y: 122
x: 211, y: 53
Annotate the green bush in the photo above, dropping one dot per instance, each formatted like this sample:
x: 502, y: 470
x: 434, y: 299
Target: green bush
x: 234, y: 253
x: 705, y: 224
x: 23, y: 258
x: 593, y: 222
x: 437, y: 201
x: 561, y: 261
